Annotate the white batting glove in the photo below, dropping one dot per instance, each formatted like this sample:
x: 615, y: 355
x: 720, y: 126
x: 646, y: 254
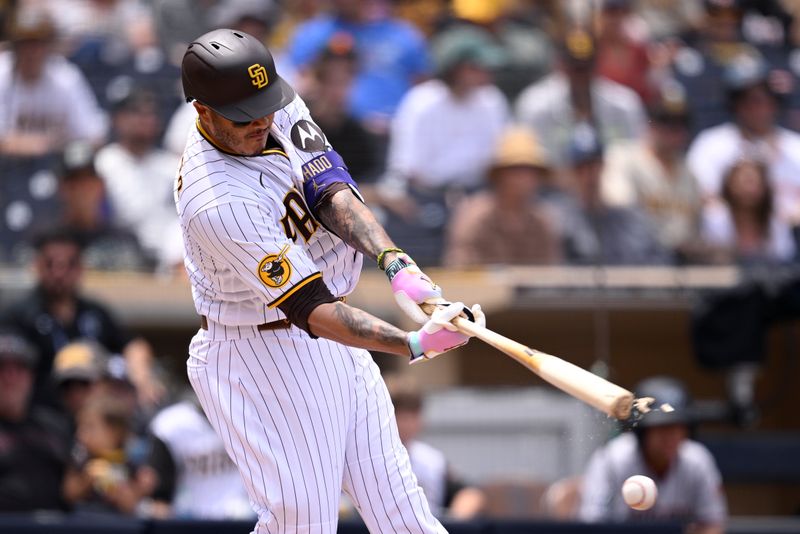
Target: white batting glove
x: 439, y: 335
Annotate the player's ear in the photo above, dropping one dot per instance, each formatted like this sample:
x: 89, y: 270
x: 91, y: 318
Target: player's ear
x: 203, y: 111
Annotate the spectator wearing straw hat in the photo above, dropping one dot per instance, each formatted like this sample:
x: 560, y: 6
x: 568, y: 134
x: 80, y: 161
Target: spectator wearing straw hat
x: 76, y: 369
x: 505, y: 224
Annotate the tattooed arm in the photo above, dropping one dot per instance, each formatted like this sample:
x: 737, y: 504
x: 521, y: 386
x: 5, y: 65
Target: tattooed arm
x: 350, y: 326
x: 339, y: 322
x: 348, y: 217
x: 355, y: 224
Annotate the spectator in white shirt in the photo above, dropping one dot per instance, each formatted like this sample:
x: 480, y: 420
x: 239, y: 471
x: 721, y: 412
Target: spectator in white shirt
x: 742, y: 226
x: 139, y: 178
x: 651, y: 174
x: 446, y: 128
x: 45, y: 102
x: 753, y: 134
x: 441, y: 142
x: 78, y: 20
x: 575, y: 96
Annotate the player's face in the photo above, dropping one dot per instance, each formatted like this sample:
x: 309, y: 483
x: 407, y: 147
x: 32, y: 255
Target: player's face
x: 670, y: 137
x: 516, y: 183
x: 756, y: 109
x: 58, y: 269
x: 74, y: 394
x: 747, y: 186
x: 16, y: 381
x: 31, y: 57
x: 243, y: 138
x: 95, y: 434
x: 662, y: 443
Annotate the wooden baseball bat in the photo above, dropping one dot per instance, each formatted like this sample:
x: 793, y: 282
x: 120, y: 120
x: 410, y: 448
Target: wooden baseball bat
x: 576, y: 381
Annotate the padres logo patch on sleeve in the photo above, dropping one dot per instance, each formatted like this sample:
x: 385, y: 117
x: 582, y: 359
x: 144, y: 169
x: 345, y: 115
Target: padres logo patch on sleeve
x: 275, y: 270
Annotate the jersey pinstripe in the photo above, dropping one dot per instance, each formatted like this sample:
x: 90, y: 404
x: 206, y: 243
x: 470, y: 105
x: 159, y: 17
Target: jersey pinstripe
x: 229, y: 205
x: 302, y: 418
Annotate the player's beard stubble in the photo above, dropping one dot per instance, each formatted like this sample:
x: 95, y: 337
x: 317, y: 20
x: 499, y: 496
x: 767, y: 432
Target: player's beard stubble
x: 246, y: 139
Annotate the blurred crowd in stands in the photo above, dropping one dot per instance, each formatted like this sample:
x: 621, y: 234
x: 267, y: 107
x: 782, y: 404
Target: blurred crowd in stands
x: 574, y: 132
x: 597, y: 132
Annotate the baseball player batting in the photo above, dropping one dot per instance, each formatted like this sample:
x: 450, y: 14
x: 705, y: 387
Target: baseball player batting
x: 274, y: 232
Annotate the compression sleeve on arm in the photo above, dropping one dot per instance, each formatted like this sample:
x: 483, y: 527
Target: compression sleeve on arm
x: 299, y: 305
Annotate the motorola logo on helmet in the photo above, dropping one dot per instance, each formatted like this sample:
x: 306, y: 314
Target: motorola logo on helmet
x: 234, y: 74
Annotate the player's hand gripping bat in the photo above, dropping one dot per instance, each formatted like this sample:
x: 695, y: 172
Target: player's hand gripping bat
x: 580, y: 383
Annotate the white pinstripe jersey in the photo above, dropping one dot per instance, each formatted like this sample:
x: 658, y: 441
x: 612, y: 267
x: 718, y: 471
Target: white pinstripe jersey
x: 249, y: 238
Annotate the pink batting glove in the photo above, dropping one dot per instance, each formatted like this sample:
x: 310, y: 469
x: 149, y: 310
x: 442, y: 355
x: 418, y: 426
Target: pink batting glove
x: 412, y: 287
x: 439, y: 335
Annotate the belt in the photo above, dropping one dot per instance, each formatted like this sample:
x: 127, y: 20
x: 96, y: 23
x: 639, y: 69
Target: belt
x: 280, y: 324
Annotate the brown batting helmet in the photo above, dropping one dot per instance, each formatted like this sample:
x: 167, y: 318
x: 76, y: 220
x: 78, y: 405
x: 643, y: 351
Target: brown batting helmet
x: 234, y: 74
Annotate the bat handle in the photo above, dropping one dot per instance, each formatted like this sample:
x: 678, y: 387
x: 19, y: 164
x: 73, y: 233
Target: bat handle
x: 463, y: 323
x: 468, y: 327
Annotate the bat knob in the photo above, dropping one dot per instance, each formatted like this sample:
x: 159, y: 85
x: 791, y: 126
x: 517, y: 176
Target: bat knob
x: 640, y: 407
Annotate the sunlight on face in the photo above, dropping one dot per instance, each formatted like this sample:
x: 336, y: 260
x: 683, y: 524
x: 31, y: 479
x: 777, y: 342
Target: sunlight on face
x: 245, y: 139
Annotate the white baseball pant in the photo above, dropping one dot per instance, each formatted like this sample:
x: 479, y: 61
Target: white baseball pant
x: 303, y: 419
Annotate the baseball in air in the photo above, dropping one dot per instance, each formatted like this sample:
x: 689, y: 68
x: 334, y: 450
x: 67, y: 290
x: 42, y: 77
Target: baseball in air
x: 639, y: 492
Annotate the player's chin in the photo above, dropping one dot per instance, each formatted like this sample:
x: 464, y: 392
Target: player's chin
x: 251, y: 148
x: 253, y: 145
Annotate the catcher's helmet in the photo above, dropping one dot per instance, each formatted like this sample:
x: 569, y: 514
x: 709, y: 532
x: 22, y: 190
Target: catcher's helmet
x: 234, y: 74
x: 665, y: 390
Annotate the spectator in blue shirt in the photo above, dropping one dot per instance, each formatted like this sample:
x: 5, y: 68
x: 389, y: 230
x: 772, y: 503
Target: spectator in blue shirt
x: 392, y: 53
